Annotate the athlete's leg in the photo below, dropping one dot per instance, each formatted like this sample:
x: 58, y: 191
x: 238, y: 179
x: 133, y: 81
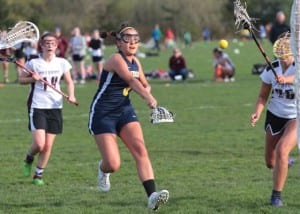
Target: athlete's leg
x: 131, y: 134
x: 270, y: 145
x: 108, y: 148
x: 285, y: 145
x: 45, y: 151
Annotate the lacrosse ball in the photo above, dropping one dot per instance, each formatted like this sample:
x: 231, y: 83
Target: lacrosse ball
x: 223, y: 43
x: 236, y: 51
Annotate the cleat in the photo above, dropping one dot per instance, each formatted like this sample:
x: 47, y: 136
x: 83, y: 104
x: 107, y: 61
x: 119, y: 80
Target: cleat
x: 276, y: 202
x: 38, y: 181
x: 27, y: 169
x: 157, y: 199
x: 103, y: 179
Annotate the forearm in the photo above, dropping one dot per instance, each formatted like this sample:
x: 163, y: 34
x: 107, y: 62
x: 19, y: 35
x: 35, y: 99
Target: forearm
x: 142, y: 90
x: 26, y: 80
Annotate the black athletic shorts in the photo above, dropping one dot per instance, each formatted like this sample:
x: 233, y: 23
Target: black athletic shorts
x: 77, y: 58
x: 276, y: 124
x: 96, y: 59
x: 46, y: 119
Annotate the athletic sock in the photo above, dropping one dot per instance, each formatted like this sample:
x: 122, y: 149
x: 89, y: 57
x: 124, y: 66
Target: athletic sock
x: 29, y: 158
x: 149, y: 186
x: 38, y: 172
x: 276, y: 194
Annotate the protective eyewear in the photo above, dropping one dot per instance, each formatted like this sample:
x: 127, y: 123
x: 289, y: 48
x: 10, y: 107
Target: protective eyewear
x: 126, y: 38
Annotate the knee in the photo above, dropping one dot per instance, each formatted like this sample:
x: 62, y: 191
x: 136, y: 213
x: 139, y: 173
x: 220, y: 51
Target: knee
x: 111, y: 166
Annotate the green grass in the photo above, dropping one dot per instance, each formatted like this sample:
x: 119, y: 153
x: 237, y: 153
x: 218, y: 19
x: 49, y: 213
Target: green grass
x: 210, y: 159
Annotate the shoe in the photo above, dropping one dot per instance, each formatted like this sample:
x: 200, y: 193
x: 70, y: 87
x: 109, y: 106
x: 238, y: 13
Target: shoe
x: 157, y: 199
x: 82, y: 81
x: 103, y: 179
x: 27, y: 169
x: 38, y: 181
x: 291, y: 161
x: 276, y: 202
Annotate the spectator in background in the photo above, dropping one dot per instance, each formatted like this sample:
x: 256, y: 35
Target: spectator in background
x: 96, y: 45
x: 62, y: 43
x: 20, y: 57
x: 206, y: 34
x: 278, y: 27
x: 5, y: 65
x: 156, y: 36
x: 262, y: 32
x: 77, y: 47
x: 187, y: 39
x: 31, y: 50
x: 169, y: 38
x: 177, y: 66
x: 224, y: 69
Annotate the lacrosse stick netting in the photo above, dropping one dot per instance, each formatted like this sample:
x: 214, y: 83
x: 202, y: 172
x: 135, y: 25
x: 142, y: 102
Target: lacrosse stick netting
x: 242, y: 19
x: 23, y: 31
x: 295, y: 43
x: 161, y: 115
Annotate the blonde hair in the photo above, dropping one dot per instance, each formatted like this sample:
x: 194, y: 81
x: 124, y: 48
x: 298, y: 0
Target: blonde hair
x: 282, y: 46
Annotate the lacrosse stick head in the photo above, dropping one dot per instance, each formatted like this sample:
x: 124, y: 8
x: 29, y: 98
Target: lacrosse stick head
x: 282, y: 46
x: 23, y: 31
x: 161, y: 115
x: 242, y: 19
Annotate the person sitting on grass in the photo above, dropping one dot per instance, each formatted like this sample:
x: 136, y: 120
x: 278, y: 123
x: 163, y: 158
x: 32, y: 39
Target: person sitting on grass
x: 177, y: 66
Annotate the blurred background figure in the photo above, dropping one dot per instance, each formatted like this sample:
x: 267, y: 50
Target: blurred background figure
x: 62, y: 43
x: 278, y: 27
x: 224, y: 69
x: 156, y: 36
x: 31, y: 50
x: 77, y: 48
x: 177, y: 66
x: 187, y: 39
x: 5, y: 65
x: 169, y: 38
x: 206, y: 34
x: 96, y: 46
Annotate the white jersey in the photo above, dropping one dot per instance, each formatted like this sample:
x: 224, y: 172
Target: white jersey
x: 42, y: 96
x: 78, y: 45
x: 283, y: 100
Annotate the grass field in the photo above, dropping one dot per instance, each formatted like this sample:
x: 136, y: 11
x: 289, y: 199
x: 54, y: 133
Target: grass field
x: 210, y: 159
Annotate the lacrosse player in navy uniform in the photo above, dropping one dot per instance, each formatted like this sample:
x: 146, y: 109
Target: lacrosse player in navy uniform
x: 280, y: 123
x: 44, y: 104
x: 112, y: 115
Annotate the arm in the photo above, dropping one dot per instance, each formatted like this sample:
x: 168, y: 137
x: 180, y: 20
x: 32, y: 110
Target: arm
x: 260, y: 103
x: 70, y: 87
x: 27, y: 78
x: 285, y: 79
x: 118, y: 65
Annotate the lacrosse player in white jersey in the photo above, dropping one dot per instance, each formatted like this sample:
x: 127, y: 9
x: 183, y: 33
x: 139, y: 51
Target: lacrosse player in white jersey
x: 280, y: 123
x: 45, y: 104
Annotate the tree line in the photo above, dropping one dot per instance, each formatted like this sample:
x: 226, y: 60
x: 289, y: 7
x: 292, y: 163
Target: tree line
x: 107, y: 15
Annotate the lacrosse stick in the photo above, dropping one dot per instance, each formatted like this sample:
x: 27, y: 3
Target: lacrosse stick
x: 161, y: 115
x: 13, y: 60
x: 23, y: 31
x: 243, y: 19
x: 295, y: 44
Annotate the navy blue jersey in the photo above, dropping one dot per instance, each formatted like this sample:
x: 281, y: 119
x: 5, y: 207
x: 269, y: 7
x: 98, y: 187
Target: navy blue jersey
x: 112, y: 100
